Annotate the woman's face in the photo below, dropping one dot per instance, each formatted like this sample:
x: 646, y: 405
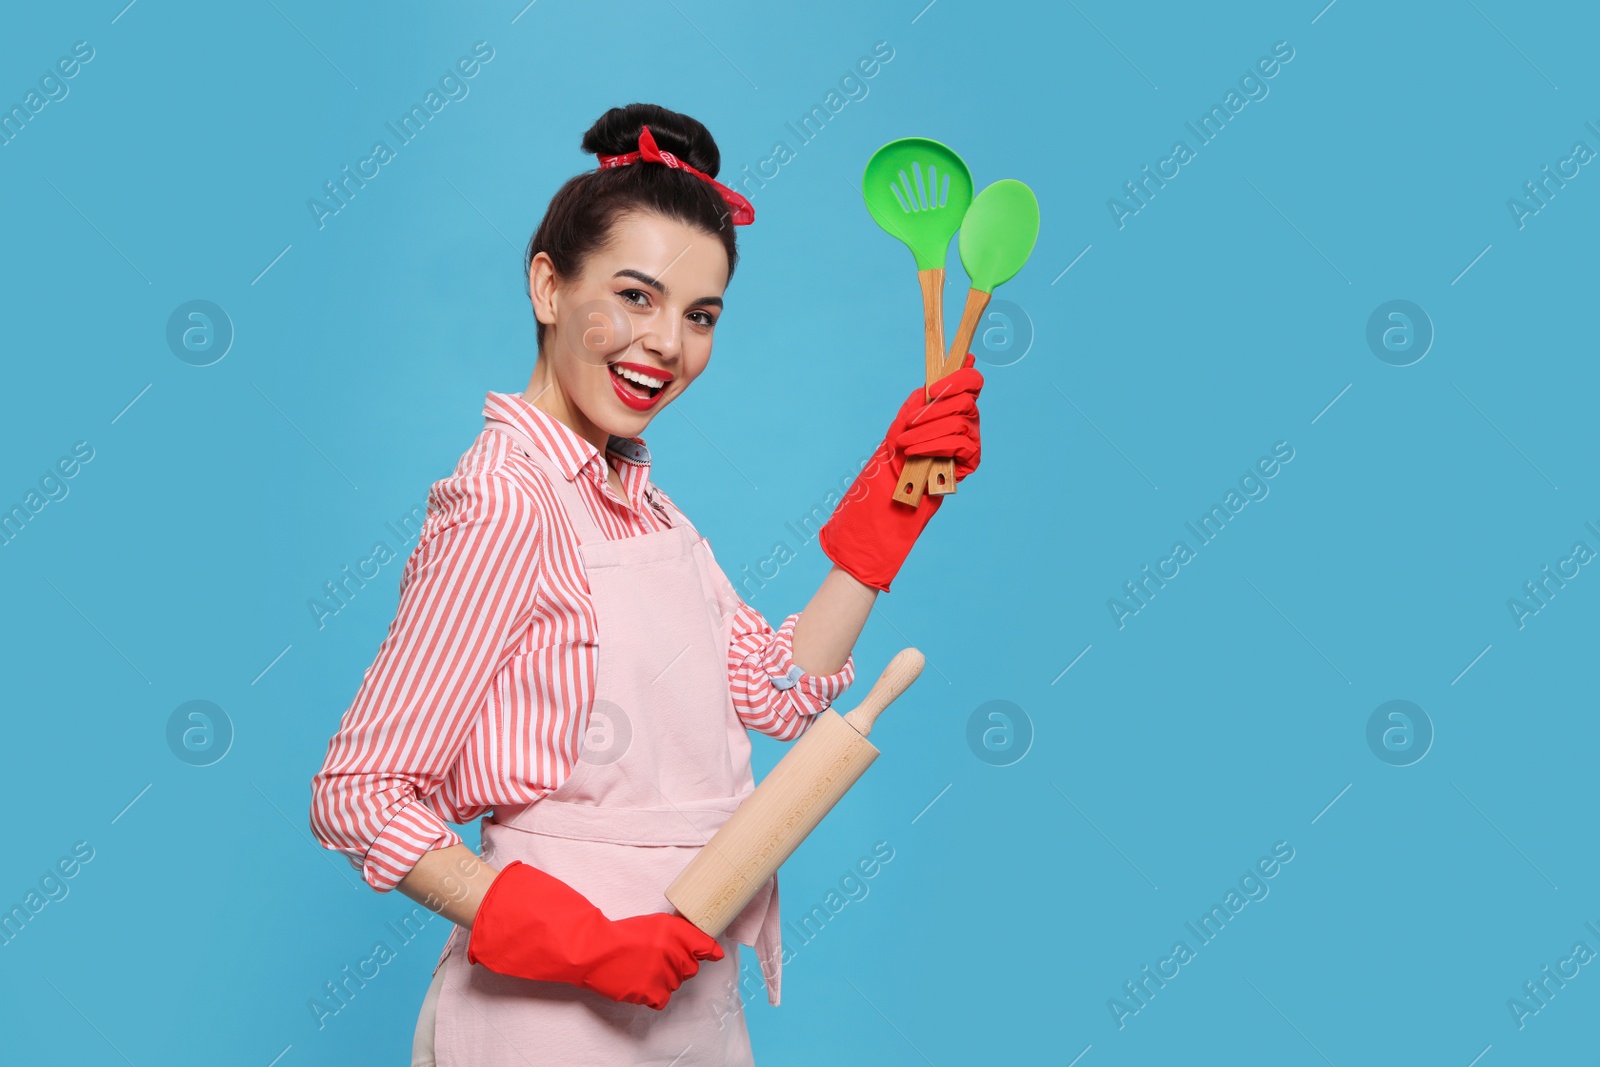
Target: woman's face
x: 647, y: 303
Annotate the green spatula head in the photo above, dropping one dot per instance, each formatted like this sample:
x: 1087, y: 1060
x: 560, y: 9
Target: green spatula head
x: 918, y: 190
x: 998, y: 233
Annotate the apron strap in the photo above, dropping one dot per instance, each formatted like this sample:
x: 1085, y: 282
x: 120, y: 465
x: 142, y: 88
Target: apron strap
x: 587, y: 529
x: 668, y: 825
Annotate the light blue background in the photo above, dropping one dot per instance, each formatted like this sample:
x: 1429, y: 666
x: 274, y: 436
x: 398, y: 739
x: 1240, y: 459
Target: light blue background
x: 1222, y: 318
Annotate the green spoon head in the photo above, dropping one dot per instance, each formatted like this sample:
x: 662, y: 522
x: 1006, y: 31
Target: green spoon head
x: 918, y: 190
x: 998, y: 234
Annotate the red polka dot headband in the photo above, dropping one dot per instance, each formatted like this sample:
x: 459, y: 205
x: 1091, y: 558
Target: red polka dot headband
x: 743, y: 214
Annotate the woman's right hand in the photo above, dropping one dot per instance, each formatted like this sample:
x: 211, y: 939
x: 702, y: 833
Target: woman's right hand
x: 642, y: 959
x: 533, y: 925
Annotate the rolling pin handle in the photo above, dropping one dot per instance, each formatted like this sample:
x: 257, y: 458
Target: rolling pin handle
x: 896, y: 677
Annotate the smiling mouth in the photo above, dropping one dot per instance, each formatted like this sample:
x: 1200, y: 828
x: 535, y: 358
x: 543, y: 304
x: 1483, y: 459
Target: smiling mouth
x: 637, y: 383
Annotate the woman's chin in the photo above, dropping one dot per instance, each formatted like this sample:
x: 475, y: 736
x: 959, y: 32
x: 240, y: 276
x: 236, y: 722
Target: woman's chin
x: 619, y: 420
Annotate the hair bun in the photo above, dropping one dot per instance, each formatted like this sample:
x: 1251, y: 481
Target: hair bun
x: 617, y: 133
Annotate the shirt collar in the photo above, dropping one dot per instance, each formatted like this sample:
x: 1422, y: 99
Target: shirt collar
x: 571, y: 451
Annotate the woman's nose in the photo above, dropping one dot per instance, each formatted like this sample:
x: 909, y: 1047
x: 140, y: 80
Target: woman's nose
x: 664, y: 337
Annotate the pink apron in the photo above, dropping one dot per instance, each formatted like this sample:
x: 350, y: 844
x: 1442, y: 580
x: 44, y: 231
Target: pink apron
x: 665, y: 763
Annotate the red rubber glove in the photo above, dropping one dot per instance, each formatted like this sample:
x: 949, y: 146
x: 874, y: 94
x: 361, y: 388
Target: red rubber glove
x: 870, y: 533
x: 533, y: 925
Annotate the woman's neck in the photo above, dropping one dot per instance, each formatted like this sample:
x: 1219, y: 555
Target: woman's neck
x: 545, y: 393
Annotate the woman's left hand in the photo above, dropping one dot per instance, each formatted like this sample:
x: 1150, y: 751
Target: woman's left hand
x: 870, y: 534
x: 946, y: 425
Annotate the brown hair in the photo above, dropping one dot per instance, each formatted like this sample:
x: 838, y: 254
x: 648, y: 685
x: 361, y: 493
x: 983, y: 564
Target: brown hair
x: 584, y: 211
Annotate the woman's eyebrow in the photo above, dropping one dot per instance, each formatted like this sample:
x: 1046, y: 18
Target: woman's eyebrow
x: 660, y: 286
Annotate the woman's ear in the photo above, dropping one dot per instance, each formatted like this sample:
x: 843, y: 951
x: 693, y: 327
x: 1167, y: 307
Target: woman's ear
x: 542, y: 288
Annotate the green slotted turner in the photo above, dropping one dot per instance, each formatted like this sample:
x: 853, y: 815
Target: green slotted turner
x: 919, y: 190
x: 997, y: 237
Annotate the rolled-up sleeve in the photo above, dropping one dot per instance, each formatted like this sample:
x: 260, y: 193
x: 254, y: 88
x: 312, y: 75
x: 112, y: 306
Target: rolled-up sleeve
x: 466, y: 593
x: 770, y: 691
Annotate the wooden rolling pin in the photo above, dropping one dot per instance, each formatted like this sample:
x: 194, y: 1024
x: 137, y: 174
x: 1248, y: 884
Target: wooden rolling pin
x: 788, y: 804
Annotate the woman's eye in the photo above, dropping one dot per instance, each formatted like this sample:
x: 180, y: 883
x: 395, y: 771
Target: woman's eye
x: 629, y: 294
x: 705, y: 318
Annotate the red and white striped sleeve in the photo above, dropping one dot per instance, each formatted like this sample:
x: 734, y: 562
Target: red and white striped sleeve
x: 770, y: 691
x: 466, y: 592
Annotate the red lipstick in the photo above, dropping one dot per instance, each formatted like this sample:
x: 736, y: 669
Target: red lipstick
x: 634, y: 395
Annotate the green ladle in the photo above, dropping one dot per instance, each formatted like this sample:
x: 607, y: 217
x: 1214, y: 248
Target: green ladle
x: 997, y: 237
x: 919, y: 190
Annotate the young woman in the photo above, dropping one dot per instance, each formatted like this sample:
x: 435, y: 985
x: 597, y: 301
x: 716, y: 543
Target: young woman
x: 568, y: 656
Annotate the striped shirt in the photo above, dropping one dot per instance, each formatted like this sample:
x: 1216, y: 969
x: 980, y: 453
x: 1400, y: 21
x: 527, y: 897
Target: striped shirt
x: 495, y: 638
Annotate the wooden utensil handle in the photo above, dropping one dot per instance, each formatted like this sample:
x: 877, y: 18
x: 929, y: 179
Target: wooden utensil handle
x: 941, y: 477
x: 938, y: 473
x: 932, y: 282
x: 900, y: 673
